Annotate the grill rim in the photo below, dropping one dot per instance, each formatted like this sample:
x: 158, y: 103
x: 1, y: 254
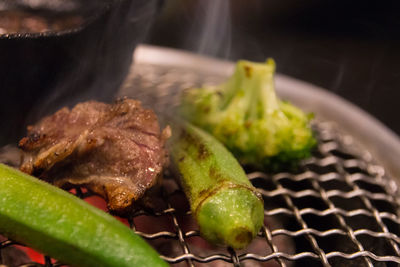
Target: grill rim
x: 370, y: 133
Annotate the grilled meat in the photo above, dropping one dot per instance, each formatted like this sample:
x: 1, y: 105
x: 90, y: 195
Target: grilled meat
x: 116, y: 151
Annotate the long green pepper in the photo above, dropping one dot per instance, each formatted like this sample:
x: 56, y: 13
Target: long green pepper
x: 64, y: 227
x: 228, y: 209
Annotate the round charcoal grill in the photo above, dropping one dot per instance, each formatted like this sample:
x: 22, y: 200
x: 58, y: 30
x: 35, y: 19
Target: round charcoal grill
x: 339, y: 208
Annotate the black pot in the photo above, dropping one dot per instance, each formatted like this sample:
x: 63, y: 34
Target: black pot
x: 41, y: 72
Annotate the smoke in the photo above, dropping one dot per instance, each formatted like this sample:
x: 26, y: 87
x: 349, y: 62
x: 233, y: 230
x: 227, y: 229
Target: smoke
x: 210, y: 32
x: 99, y: 56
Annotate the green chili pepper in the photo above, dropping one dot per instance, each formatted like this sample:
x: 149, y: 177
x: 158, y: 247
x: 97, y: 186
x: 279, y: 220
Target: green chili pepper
x: 228, y: 209
x: 65, y: 227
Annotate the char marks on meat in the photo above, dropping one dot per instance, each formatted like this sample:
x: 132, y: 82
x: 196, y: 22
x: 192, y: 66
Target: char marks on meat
x: 114, y: 150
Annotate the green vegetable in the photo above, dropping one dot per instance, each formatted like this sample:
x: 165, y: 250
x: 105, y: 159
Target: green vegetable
x: 226, y: 206
x: 62, y: 226
x: 246, y: 115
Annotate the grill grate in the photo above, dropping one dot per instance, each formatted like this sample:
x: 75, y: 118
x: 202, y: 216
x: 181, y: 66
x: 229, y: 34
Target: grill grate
x: 338, y: 208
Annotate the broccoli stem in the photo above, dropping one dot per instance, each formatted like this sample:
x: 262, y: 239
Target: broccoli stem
x: 254, y: 83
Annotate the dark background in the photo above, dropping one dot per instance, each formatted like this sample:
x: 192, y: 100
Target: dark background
x: 348, y: 47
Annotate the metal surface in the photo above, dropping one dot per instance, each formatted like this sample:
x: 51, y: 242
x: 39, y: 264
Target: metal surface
x: 340, y: 208
x: 369, y: 132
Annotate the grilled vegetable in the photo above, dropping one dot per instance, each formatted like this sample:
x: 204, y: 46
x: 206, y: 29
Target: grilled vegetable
x: 246, y: 115
x: 227, y: 207
x: 62, y: 226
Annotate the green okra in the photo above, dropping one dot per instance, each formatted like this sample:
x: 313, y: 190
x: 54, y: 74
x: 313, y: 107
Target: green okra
x: 65, y: 227
x: 228, y: 209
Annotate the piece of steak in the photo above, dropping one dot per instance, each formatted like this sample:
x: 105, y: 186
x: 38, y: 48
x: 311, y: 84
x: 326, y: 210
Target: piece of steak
x: 114, y: 150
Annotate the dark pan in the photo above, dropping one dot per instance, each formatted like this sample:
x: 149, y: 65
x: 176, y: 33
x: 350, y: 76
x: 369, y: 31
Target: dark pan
x: 40, y: 72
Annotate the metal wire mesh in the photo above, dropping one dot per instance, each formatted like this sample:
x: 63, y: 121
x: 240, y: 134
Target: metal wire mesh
x: 339, y: 208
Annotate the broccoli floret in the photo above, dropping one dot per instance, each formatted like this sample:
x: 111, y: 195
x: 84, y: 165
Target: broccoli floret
x: 246, y: 115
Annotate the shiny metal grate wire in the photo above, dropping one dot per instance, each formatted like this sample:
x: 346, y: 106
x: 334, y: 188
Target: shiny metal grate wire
x: 339, y: 208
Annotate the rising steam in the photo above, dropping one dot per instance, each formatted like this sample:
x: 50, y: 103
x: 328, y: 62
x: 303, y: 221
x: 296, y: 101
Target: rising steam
x: 99, y: 66
x: 210, y: 32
